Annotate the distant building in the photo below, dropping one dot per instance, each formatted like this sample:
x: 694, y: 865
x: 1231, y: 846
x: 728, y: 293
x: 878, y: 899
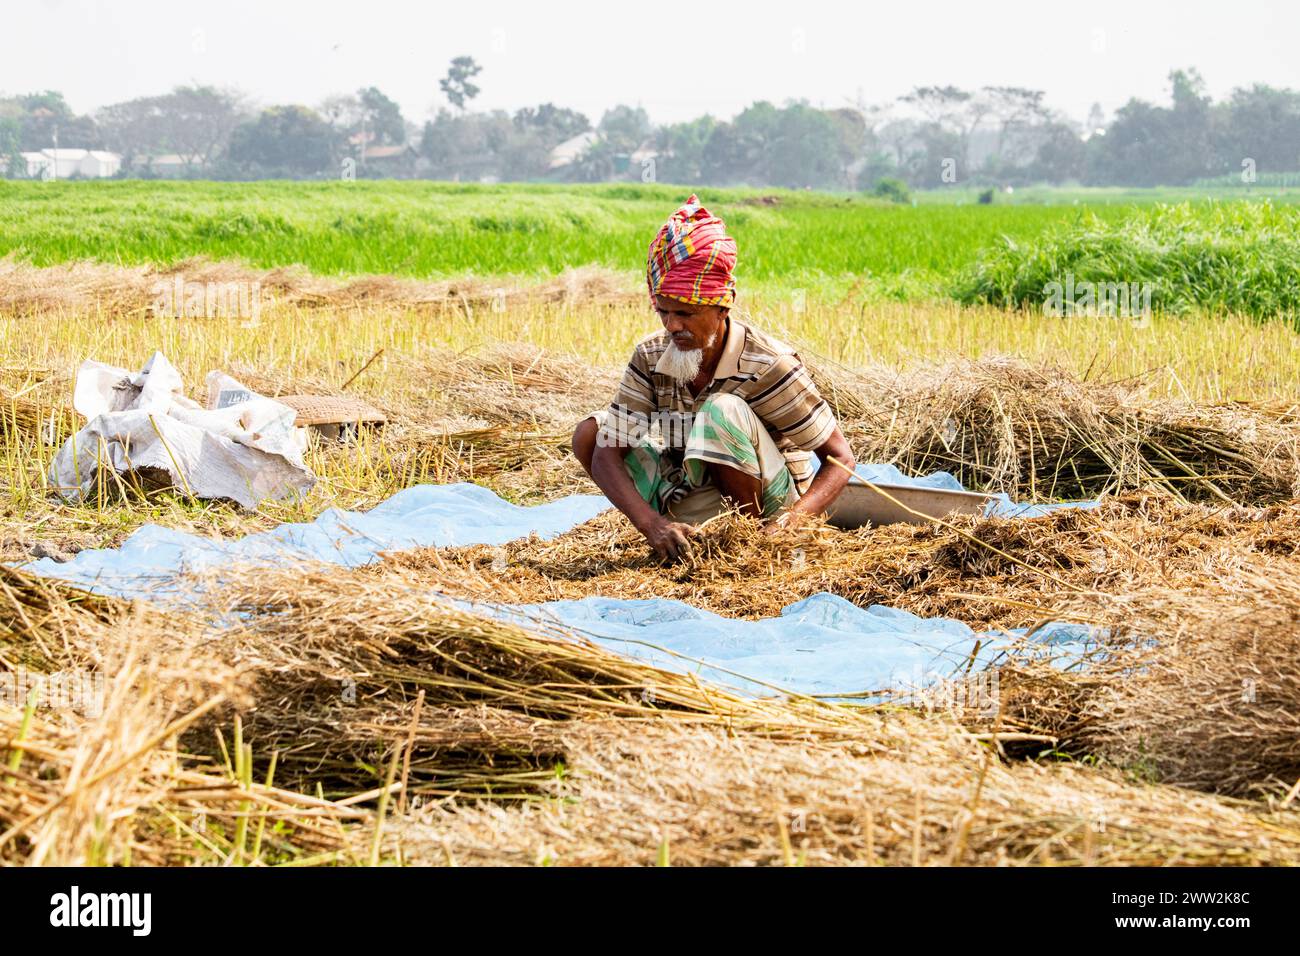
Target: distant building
x: 36, y: 163
x: 387, y: 152
x: 67, y: 163
x: 165, y: 166
x: 570, y: 150
x: 645, y: 153
x: 395, y: 161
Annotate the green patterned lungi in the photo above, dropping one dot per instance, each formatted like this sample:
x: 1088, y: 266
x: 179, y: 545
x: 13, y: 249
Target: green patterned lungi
x: 724, y: 431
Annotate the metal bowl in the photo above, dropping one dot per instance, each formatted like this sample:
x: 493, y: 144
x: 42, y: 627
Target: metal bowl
x: 860, y: 504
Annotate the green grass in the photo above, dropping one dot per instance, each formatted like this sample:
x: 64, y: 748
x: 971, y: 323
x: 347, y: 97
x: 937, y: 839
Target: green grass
x: 1217, y: 255
x: 1276, y: 188
x: 1238, y: 258
x: 441, y: 230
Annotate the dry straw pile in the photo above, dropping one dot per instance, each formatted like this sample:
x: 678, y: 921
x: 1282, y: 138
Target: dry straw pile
x: 1200, y: 684
x: 473, y: 740
x: 403, y: 690
x: 1037, y: 432
x: 120, y: 291
x: 96, y: 695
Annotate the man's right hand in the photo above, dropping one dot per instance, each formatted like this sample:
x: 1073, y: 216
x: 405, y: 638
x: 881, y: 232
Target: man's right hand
x: 670, y: 539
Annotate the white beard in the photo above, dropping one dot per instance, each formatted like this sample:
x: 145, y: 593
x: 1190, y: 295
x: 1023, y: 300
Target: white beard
x: 682, y: 366
x: 679, y: 365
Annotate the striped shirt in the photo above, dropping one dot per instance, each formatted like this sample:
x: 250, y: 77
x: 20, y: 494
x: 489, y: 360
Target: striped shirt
x: 762, y: 370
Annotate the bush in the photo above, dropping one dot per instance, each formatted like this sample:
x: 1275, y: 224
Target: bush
x: 1238, y: 258
x: 895, y: 190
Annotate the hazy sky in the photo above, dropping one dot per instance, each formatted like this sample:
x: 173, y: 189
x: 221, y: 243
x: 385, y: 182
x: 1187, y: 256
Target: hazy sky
x: 676, y: 60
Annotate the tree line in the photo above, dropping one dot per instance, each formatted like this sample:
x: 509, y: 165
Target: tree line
x: 930, y: 137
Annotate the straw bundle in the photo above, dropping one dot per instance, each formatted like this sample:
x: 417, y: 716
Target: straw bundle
x: 686, y: 770
x: 46, y: 422
x: 120, y: 290
x: 343, y: 676
x: 716, y: 775
x: 94, y: 694
x: 987, y: 572
x: 1039, y: 433
x: 1207, y: 695
x: 921, y: 794
x: 1217, y: 625
x: 1034, y: 432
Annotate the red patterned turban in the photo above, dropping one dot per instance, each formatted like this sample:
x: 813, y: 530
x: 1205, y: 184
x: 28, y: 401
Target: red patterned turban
x: 692, y: 258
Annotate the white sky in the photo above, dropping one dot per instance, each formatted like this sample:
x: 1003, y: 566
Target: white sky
x: 676, y: 60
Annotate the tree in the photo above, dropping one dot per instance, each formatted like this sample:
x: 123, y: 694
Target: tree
x: 285, y: 140
x: 625, y: 128
x: 472, y: 146
x: 11, y: 158
x: 735, y: 152
x: 382, y: 117
x: 595, y: 165
x: 1020, y: 116
x: 1189, y: 134
x: 195, y: 122
x: 806, y: 150
x: 853, y: 137
x: 343, y: 112
x: 1134, y: 150
x: 1061, y: 155
x: 41, y: 116
x: 456, y: 85
x: 955, y: 113
x: 683, y: 150
x: 1096, y: 122
x: 795, y: 146
x: 1150, y: 145
x: 938, y: 146
x: 899, y: 138
x: 368, y: 115
x: 551, y: 123
x: 1263, y: 124
x: 134, y: 128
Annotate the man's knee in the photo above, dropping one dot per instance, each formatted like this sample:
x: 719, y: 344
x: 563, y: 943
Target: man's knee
x: 727, y: 405
x: 584, y: 441
x: 729, y: 415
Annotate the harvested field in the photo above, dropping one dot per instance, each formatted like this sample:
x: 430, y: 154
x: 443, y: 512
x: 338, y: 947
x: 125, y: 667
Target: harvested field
x: 315, y: 714
x: 917, y: 797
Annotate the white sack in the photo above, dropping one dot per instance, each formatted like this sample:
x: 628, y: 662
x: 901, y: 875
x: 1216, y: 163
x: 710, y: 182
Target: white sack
x: 245, y: 447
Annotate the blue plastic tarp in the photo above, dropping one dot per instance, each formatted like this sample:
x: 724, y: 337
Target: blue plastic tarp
x: 820, y: 645
x: 420, y: 517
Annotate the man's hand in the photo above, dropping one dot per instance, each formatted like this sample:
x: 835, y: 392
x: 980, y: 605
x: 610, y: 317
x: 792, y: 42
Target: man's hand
x: 670, y: 539
x: 786, y: 519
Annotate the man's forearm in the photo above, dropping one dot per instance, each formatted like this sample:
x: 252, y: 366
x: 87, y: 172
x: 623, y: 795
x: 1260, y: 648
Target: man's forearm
x: 610, y: 475
x: 825, y: 488
x: 830, y: 479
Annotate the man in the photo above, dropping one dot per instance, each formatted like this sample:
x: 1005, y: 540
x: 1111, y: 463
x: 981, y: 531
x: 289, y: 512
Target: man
x: 737, y: 412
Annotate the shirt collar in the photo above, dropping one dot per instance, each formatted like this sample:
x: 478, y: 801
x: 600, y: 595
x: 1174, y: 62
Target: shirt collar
x: 729, y: 361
